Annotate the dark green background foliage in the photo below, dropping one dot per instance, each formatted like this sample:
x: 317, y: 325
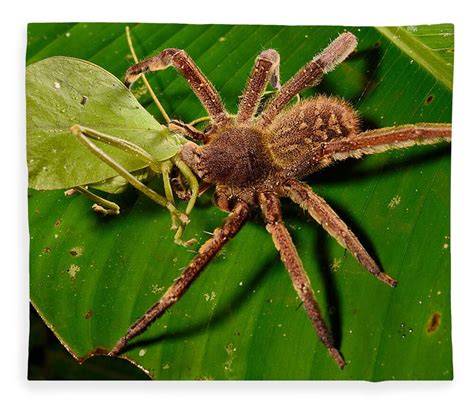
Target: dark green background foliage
x: 242, y: 319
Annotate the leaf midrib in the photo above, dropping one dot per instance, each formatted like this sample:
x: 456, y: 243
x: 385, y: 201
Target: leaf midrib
x: 420, y: 53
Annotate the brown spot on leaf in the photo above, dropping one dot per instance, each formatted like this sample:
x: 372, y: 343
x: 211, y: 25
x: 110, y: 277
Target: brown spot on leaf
x: 76, y: 251
x: 88, y: 315
x: 429, y: 99
x: 434, y: 323
x: 47, y: 250
x: 57, y: 223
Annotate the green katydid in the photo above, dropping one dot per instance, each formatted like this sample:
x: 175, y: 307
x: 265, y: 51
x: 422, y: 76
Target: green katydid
x: 72, y: 102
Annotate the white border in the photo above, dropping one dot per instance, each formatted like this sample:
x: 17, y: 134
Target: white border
x: 14, y: 244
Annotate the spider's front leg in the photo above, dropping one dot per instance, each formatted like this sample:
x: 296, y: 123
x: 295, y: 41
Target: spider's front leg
x: 274, y: 223
x: 201, y: 86
x: 266, y: 69
x: 207, y: 251
x: 187, y: 130
x: 310, y: 74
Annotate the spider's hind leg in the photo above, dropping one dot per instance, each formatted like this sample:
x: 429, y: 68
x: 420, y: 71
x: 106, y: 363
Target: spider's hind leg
x: 318, y: 208
x: 274, y: 223
x: 380, y: 140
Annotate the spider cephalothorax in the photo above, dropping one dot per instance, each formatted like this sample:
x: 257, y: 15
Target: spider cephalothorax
x: 253, y: 160
x: 248, y: 158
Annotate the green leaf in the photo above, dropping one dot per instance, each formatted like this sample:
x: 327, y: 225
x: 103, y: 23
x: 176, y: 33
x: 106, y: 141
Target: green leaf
x: 92, y: 277
x: 64, y: 91
x: 431, y: 46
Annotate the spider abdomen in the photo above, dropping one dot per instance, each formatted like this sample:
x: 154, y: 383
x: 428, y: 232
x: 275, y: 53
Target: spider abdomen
x: 298, y: 131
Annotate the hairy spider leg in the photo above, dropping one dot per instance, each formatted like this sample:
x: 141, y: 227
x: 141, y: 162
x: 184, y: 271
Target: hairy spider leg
x: 187, y: 130
x: 266, y: 69
x: 311, y: 74
x: 380, y: 140
x: 183, y: 63
x: 271, y: 210
x: 322, y: 213
x: 207, y: 251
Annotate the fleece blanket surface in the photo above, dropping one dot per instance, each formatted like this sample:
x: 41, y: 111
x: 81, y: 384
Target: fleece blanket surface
x: 240, y: 229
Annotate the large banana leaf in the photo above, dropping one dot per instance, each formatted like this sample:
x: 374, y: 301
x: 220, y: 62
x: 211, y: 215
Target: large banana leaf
x: 92, y: 277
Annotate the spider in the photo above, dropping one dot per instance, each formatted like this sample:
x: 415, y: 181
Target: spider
x: 254, y: 159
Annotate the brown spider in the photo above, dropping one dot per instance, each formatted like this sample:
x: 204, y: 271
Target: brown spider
x: 254, y: 160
